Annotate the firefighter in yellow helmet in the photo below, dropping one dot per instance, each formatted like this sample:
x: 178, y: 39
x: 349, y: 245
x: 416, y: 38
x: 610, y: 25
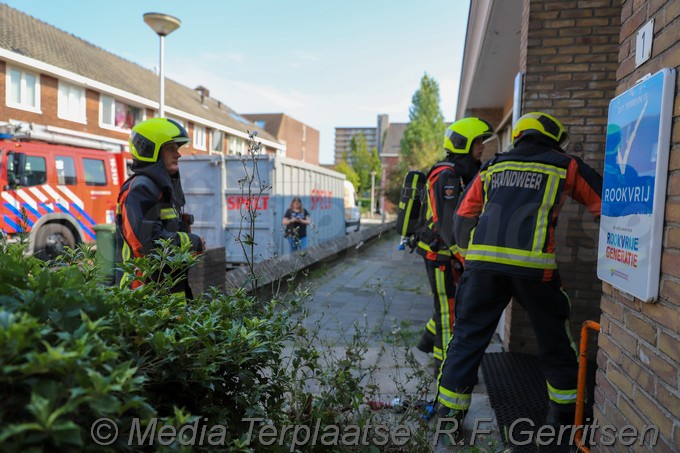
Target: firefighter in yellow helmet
x: 151, y: 201
x: 513, y: 205
x: 463, y: 144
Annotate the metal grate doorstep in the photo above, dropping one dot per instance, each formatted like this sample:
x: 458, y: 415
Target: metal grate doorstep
x: 517, y: 390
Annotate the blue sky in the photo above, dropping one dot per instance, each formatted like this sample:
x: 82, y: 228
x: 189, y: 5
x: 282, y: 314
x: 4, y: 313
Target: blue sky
x: 326, y: 63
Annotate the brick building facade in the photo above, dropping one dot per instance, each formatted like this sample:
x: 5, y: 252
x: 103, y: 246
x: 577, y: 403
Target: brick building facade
x: 302, y: 141
x: 45, y: 68
x: 569, y: 59
x: 638, y: 381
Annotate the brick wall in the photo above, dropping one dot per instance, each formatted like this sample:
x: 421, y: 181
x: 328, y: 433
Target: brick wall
x: 639, y: 346
x: 292, y: 135
x: 210, y: 272
x: 569, y: 56
x: 49, y: 94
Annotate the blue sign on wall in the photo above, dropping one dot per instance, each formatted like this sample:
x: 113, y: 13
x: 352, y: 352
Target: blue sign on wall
x: 634, y: 189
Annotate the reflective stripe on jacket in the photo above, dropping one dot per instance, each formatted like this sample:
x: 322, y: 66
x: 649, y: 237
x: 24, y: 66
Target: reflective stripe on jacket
x: 442, y: 187
x: 145, y: 214
x: 507, y: 217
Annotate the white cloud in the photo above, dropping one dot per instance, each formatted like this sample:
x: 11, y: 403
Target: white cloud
x: 307, y: 56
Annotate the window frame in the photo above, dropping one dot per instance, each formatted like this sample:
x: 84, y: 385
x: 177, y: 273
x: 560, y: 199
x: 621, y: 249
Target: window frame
x: 240, y: 146
x: 21, y: 104
x: 212, y: 141
x: 61, y: 178
x: 92, y: 182
x: 199, y: 137
x: 24, y: 173
x: 113, y: 126
x: 63, y: 102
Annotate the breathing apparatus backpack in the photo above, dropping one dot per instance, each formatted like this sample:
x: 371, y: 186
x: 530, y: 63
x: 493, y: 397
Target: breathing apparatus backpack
x: 412, y: 212
x: 410, y: 204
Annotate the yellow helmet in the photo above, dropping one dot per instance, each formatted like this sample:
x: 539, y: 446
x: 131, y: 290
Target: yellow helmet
x: 460, y: 134
x: 539, y: 123
x: 149, y: 136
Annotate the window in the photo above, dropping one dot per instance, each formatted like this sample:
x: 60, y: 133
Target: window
x: 71, y: 104
x: 34, y: 172
x: 119, y: 115
x: 237, y: 145
x: 95, y: 172
x: 66, y: 171
x: 216, y: 140
x: 23, y: 90
x: 199, y: 137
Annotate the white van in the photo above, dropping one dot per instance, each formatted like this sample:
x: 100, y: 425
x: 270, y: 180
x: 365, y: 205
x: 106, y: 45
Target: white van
x: 352, y: 211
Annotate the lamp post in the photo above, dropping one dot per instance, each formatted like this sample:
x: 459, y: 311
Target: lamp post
x: 163, y: 25
x: 372, y: 193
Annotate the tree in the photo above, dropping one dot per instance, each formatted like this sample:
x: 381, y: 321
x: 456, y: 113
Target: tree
x: 422, y: 143
x: 360, y: 162
x: 344, y: 168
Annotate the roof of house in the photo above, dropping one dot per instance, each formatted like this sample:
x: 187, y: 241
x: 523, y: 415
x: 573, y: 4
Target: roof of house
x: 392, y: 143
x: 272, y: 121
x: 25, y: 35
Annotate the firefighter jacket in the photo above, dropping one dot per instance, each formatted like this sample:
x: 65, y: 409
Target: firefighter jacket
x: 444, y: 183
x: 506, y: 220
x: 150, y: 205
x: 435, y: 232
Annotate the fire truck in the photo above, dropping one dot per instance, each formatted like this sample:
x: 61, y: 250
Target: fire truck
x: 57, y: 193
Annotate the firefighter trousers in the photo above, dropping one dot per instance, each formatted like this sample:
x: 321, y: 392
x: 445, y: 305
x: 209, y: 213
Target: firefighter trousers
x: 480, y: 300
x: 443, y: 284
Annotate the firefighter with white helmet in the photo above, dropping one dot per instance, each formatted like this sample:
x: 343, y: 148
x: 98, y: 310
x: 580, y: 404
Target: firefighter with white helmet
x: 151, y: 201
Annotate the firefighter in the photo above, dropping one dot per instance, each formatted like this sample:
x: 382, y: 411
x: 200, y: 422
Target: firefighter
x: 463, y: 144
x: 513, y: 205
x: 151, y: 201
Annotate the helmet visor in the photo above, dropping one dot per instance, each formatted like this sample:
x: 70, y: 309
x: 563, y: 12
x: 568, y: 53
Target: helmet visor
x: 564, y: 140
x: 181, y: 141
x: 487, y: 138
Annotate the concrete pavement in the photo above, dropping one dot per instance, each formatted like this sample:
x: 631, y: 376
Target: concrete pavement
x: 374, y: 289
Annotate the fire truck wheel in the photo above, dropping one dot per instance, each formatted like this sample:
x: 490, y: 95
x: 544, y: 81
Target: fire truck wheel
x: 51, y: 241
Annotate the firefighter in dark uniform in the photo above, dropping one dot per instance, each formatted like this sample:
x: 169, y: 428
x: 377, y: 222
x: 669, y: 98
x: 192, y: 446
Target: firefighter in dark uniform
x: 463, y: 143
x: 151, y: 201
x: 505, y: 226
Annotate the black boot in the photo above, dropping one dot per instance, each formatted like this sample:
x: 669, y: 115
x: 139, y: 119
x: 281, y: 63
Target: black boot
x: 560, y: 414
x: 426, y: 343
x: 450, y: 425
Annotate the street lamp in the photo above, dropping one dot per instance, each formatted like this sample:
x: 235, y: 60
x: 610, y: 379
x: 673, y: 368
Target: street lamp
x: 372, y: 192
x: 163, y: 25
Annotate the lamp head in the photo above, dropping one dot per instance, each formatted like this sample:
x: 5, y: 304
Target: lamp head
x: 162, y: 24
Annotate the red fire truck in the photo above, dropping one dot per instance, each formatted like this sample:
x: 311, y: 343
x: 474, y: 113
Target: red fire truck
x: 57, y: 193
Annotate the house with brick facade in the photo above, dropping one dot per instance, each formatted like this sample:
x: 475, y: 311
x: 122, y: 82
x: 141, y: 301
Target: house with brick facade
x: 570, y: 59
x: 59, y: 88
x: 301, y: 140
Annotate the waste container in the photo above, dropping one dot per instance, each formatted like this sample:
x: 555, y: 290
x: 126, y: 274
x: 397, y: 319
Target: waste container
x: 106, y: 250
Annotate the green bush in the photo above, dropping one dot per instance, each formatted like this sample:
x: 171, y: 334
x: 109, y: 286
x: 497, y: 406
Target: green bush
x: 73, y: 350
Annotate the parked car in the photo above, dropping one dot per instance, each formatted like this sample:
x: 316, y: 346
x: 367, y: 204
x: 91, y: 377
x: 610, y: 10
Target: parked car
x: 352, y: 211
